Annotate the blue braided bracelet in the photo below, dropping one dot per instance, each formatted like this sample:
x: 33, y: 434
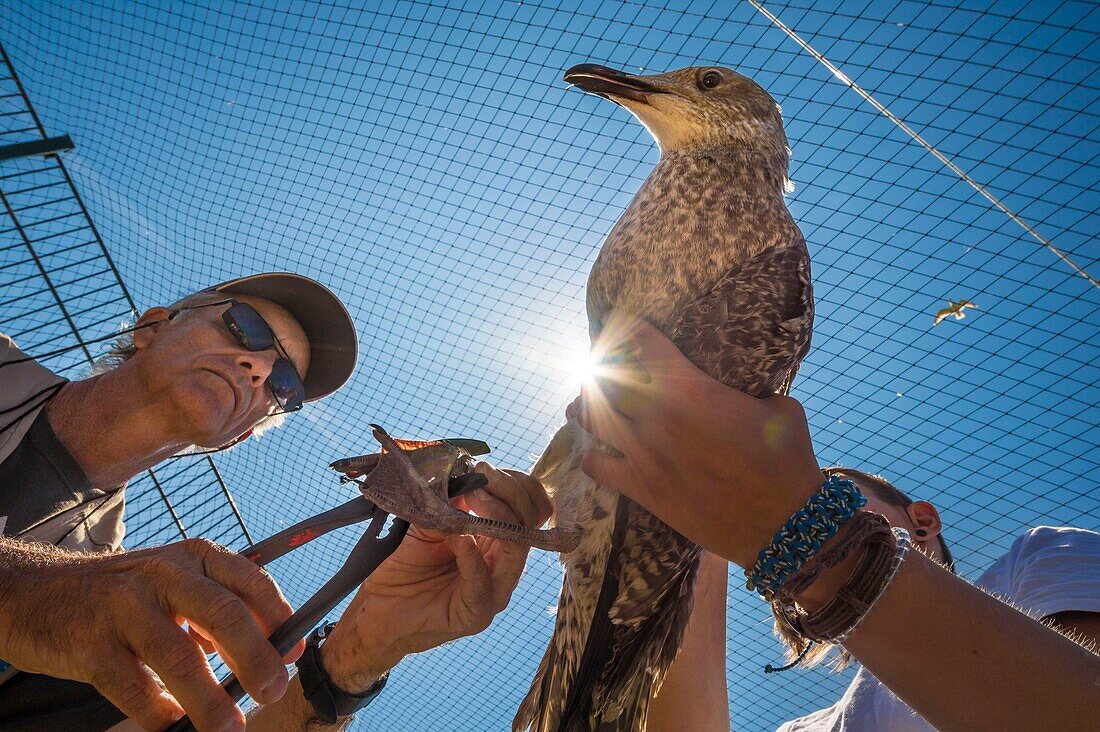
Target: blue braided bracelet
x: 804, y: 534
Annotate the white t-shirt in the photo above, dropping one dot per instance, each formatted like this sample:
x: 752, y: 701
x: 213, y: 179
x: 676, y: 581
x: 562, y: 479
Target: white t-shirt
x: 1048, y: 570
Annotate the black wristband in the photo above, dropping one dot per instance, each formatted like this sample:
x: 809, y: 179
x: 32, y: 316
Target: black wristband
x: 329, y: 701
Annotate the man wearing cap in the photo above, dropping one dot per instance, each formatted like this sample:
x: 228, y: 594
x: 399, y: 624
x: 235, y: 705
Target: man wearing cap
x: 203, y: 373
x: 176, y: 393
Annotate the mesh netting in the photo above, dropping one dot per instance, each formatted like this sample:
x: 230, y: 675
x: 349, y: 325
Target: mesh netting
x: 428, y: 164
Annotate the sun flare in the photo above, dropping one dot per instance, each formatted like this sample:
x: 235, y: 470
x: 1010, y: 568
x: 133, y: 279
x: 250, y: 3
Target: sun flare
x: 581, y: 367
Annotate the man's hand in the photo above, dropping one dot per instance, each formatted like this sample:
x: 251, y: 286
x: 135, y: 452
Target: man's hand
x: 721, y: 467
x: 435, y: 588
x: 107, y: 619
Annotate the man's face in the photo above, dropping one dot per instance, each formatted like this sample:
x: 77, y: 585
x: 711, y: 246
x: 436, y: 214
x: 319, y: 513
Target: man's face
x: 215, y: 389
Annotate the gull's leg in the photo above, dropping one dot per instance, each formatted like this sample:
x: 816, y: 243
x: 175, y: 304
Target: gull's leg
x: 551, y: 540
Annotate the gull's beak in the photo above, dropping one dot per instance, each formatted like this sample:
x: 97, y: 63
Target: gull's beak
x: 610, y: 84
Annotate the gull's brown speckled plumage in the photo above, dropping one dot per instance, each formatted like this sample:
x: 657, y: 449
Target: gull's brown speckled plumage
x: 707, y: 252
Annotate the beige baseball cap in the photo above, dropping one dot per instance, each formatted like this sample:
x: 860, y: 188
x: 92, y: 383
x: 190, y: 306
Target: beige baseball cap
x: 326, y: 322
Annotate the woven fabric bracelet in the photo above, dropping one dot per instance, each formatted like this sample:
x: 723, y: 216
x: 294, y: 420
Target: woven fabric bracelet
x: 792, y: 615
x: 804, y: 534
x: 877, y: 569
x: 852, y: 535
x: 879, y: 543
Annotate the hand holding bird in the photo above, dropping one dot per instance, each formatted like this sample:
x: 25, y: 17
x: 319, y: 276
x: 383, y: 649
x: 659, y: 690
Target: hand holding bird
x: 737, y: 461
x: 436, y: 587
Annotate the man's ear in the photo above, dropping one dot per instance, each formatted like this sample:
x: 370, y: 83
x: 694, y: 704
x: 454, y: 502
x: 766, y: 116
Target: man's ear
x: 925, y: 519
x: 149, y: 323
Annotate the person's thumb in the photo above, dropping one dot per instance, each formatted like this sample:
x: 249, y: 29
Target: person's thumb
x: 611, y: 471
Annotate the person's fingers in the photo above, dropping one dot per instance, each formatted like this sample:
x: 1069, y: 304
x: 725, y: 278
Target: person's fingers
x: 608, y: 470
x: 503, y: 499
x: 539, y: 497
x: 653, y: 350
x: 523, y: 494
x: 617, y: 333
x: 428, y: 536
x: 226, y: 619
x: 209, y: 646
x: 130, y: 687
x: 256, y: 587
x: 475, y: 588
x: 581, y: 412
x: 672, y: 377
x: 486, y: 505
x: 197, y: 635
x: 294, y: 653
x: 166, y: 649
x: 237, y: 637
x: 506, y: 569
x: 616, y: 389
x: 530, y: 497
x: 506, y: 562
x: 516, y: 493
x: 573, y: 411
x: 619, y: 379
x: 487, y: 583
x: 597, y: 418
x: 248, y: 581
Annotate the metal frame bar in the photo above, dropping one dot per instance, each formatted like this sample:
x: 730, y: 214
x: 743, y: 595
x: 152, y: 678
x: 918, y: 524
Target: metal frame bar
x: 51, y: 146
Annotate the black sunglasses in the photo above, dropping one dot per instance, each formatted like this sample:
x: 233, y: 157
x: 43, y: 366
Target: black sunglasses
x: 246, y: 325
x: 254, y: 334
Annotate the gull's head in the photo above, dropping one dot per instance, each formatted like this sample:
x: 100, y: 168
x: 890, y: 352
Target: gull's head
x: 694, y: 108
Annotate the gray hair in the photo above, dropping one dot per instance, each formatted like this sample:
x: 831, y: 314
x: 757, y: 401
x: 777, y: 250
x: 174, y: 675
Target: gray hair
x: 123, y: 349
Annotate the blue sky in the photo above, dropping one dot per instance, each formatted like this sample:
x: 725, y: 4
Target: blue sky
x: 429, y: 165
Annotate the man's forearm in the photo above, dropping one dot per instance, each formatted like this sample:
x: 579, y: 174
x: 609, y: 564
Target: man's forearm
x: 16, y: 554
x: 294, y: 713
x: 21, y: 566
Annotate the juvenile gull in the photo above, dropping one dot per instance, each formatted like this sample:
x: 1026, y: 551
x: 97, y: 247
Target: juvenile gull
x: 708, y: 253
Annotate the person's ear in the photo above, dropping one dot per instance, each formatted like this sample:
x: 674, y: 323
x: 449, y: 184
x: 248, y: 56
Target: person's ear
x: 925, y: 519
x: 148, y: 325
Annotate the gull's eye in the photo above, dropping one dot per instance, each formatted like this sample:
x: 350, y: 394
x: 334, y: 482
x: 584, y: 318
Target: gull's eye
x: 711, y: 79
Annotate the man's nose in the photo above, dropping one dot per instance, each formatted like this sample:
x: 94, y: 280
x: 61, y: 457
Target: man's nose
x: 258, y: 365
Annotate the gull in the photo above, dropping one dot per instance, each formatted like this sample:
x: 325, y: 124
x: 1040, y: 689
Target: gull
x: 708, y: 253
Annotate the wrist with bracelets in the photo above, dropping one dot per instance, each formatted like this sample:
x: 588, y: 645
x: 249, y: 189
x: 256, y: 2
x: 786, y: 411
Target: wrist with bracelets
x: 886, y: 549
x: 794, y: 560
x: 805, y: 532
x: 852, y: 536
